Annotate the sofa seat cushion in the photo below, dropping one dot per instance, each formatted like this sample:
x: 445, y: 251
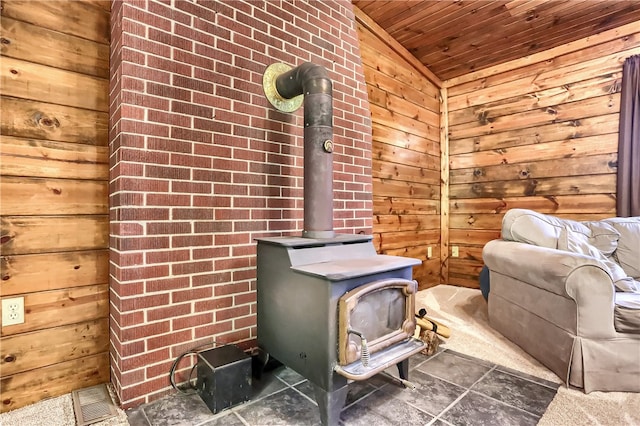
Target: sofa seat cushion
x: 627, y: 313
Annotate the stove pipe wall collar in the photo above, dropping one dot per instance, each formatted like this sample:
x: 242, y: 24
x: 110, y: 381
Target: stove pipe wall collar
x: 286, y: 89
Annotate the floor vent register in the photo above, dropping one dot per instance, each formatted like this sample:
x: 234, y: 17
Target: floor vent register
x: 92, y: 404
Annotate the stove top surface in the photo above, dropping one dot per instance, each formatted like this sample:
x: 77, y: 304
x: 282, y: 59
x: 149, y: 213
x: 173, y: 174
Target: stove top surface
x: 293, y: 241
x: 343, y: 269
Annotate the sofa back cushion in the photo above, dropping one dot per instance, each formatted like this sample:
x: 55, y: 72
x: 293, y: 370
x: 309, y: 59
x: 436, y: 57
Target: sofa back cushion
x: 531, y: 227
x: 628, y: 252
x: 576, y: 242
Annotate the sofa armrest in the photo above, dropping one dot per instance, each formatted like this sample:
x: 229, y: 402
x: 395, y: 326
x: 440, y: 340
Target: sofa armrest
x: 569, y: 275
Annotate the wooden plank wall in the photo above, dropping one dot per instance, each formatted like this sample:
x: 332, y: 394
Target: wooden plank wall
x: 538, y: 133
x: 54, y: 196
x: 405, y: 109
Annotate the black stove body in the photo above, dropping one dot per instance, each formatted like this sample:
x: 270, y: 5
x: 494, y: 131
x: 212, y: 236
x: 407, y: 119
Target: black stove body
x: 300, y: 282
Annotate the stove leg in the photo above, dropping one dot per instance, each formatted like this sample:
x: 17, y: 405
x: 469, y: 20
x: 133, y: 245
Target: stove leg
x: 330, y: 404
x: 403, y: 369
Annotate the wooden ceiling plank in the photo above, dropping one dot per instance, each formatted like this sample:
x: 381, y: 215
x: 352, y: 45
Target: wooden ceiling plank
x: 435, y: 33
x: 572, y: 33
x: 515, y: 44
x: 482, y: 37
x: 412, y: 16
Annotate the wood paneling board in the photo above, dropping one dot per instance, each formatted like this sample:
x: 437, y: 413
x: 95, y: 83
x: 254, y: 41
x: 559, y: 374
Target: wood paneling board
x: 406, y: 164
x: 33, y: 43
x: 402, y: 139
x: 41, y: 158
x: 49, y: 309
x: 29, y: 273
x: 569, y: 57
x: 592, y: 107
x: 402, y: 206
x: 591, y: 184
x: 22, y: 79
x: 38, y: 120
x: 32, y: 386
x: 579, y: 147
x: 559, y: 131
x: 39, y: 196
x: 28, y: 351
x: 54, y: 169
x: 52, y: 234
x: 552, y: 204
x: 84, y: 19
x: 542, y: 136
x: 569, y: 92
x: 533, y: 169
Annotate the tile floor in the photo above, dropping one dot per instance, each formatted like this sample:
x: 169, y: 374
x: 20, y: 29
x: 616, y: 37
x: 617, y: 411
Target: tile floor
x: 451, y: 389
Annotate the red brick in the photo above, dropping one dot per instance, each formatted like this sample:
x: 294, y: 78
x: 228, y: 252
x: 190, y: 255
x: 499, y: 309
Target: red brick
x: 142, y: 302
x: 192, y: 321
x: 213, y: 304
x: 221, y: 290
x: 213, y: 329
x: 225, y: 314
x: 140, y: 272
x: 215, y: 278
x: 166, y: 256
x: 168, y: 312
x: 172, y: 283
x: 168, y: 200
x: 144, y: 331
x: 192, y: 294
x: 191, y: 267
x: 169, y: 339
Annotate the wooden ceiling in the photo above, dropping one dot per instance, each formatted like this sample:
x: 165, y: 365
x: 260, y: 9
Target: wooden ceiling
x: 452, y: 38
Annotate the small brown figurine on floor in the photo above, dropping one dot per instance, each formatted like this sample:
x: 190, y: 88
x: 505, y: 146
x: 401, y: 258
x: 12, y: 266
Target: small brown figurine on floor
x: 432, y: 341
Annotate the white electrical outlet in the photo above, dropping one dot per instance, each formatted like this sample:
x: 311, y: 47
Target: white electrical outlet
x: 455, y: 251
x: 429, y: 252
x: 12, y: 311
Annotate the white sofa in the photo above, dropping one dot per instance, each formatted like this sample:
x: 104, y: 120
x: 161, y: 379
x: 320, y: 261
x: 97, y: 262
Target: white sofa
x: 568, y: 293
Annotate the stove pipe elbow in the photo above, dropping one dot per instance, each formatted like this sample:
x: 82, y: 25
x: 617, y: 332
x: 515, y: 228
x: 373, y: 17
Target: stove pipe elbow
x: 312, y: 82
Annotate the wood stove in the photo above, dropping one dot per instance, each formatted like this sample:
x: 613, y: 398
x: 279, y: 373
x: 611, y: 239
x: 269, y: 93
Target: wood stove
x: 306, y: 285
x: 329, y: 306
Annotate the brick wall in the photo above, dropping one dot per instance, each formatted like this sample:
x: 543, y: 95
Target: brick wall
x: 201, y: 165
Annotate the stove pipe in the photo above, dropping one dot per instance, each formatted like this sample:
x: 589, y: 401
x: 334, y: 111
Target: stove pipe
x: 284, y: 87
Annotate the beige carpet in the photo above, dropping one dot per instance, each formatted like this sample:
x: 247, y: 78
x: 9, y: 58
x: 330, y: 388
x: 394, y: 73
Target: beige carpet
x: 54, y: 412
x: 465, y: 312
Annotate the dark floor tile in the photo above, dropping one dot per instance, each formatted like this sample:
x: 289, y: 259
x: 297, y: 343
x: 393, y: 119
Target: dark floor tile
x: 440, y: 422
x: 431, y: 395
x: 379, y: 409
x: 291, y: 377
x: 178, y: 409
x: 479, y: 410
x: 358, y: 390
x: 455, y: 369
x: 287, y: 407
x: 267, y: 385
x: 306, y: 388
x: 471, y: 358
x: 547, y: 383
x: 136, y: 417
x: 224, y: 419
x: 516, y: 391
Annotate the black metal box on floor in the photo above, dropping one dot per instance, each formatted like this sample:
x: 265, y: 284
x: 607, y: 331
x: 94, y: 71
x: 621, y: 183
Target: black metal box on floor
x: 224, y: 377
